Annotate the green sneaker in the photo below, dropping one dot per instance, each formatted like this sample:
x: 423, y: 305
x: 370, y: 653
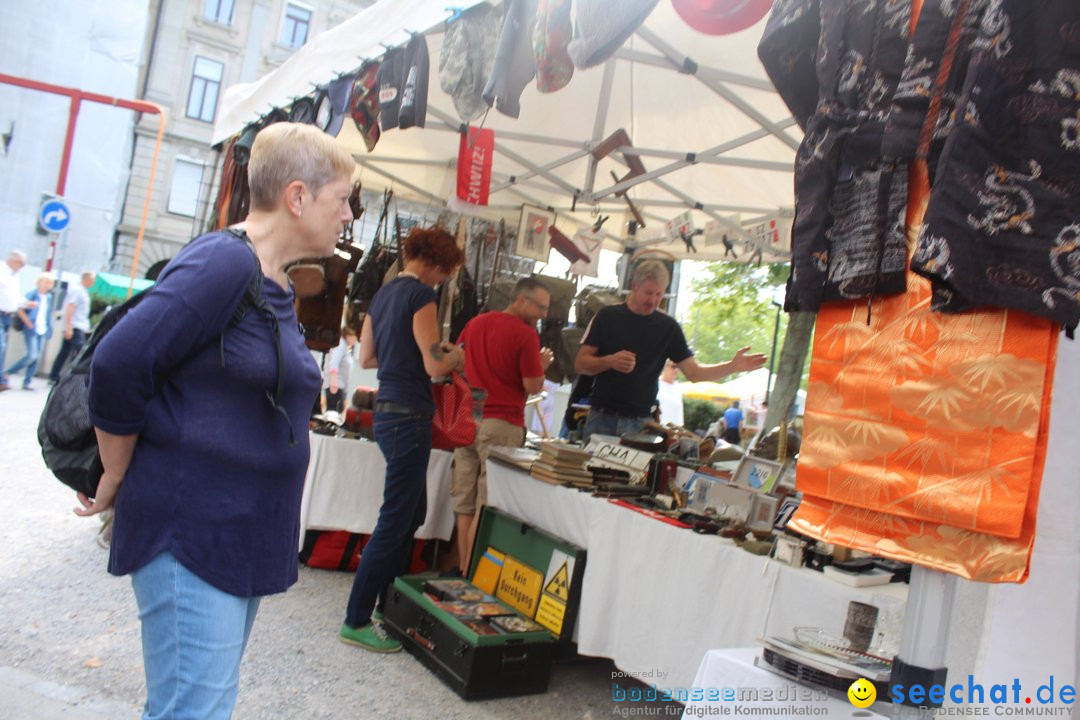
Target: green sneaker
x: 376, y: 616
x: 370, y: 637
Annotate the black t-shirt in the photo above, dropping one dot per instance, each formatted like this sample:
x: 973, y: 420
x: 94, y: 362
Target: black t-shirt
x: 653, y: 338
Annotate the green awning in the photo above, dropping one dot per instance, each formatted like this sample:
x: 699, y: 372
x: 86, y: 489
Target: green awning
x: 111, y: 289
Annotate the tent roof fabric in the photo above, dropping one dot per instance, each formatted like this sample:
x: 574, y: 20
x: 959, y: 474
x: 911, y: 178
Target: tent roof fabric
x: 718, y: 141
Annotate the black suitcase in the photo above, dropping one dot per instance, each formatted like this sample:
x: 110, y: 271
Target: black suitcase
x: 539, y: 582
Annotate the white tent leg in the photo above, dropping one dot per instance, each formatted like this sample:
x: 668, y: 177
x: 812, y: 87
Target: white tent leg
x: 926, y: 633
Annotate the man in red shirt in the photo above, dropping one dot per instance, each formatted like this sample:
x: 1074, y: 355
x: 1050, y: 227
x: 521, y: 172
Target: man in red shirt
x: 502, y: 356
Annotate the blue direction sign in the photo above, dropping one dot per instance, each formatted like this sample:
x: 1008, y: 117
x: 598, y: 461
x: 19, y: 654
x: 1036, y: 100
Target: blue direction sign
x: 54, y: 215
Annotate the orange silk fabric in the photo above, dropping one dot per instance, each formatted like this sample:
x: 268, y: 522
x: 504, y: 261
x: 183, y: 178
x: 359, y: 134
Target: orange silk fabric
x: 925, y: 434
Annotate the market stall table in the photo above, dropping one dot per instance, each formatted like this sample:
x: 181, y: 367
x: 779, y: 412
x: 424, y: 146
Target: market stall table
x: 344, y: 487
x: 733, y: 674
x: 655, y: 598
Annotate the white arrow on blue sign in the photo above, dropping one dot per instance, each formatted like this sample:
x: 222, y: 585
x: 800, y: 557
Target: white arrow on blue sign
x: 54, y: 215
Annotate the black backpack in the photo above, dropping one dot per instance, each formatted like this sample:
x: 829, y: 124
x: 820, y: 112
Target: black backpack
x: 65, y: 433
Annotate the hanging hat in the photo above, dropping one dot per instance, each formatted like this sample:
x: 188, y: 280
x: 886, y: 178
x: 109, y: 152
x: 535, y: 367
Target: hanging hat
x: 274, y: 116
x: 468, y: 51
x: 413, y: 108
x: 332, y: 105
x: 721, y: 17
x: 390, y: 78
x: 241, y: 149
x: 514, y: 65
x: 302, y: 111
x: 364, y: 105
x: 552, y: 34
x: 603, y: 26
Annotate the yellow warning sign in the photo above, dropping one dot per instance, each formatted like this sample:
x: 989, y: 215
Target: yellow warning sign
x: 559, y: 584
x: 551, y: 614
x: 519, y: 586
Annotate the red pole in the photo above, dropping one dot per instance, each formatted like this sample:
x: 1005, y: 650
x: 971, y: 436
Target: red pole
x: 76, y: 96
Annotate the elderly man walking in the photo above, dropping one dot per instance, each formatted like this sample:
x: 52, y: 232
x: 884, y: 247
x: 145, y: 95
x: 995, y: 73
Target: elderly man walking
x: 10, y: 301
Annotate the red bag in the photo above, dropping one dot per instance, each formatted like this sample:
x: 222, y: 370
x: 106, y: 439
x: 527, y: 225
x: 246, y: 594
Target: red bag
x: 458, y: 408
x: 332, y: 549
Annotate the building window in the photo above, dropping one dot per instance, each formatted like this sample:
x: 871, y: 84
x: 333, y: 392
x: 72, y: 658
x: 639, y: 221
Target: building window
x: 205, y: 84
x: 184, y: 192
x: 219, y: 11
x: 294, y: 30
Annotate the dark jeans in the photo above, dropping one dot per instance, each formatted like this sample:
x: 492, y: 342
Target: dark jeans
x: 405, y: 442
x: 69, y: 347
x: 335, y: 400
x: 5, y: 325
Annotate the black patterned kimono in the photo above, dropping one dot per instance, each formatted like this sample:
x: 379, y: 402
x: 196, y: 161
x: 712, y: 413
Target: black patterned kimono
x: 1002, y: 226
x: 848, y: 234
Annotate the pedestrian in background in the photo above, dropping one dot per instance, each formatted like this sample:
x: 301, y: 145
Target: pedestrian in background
x: 36, y: 318
x: 400, y: 337
x: 10, y: 301
x: 76, y: 323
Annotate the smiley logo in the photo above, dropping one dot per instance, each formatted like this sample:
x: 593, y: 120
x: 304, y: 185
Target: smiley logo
x: 862, y: 693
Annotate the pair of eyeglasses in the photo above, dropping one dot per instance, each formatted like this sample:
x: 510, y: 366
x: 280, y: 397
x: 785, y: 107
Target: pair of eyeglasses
x: 541, y: 308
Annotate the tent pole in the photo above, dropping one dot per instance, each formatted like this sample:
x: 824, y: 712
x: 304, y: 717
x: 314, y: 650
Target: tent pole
x: 550, y: 166
x: 602, y: 105
x: 726, y: 76
x: 699, y: 157
x: 719, y: 88
x: 503, y: 150
x: 363, y: 161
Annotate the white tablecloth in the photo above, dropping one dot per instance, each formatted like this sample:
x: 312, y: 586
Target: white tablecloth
x: 344, y: 487
x: 734, y: 669
x: 655, y: 597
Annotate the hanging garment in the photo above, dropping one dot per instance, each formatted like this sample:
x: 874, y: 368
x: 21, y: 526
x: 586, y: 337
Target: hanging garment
x: 514, y: 66
x: 603, y: 26
x: 925, y: 434
x: 466, y: 57
x: 932, y: 73
x: 552, y: 33
x: 390, y: 78
x: 788, y: 51
x: 412, y: 111
x: 1003, y: 224
x: 847, y: 238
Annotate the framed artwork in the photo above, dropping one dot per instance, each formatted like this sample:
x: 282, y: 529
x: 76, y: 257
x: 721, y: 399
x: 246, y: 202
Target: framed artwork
x: 532, y: 235
x: 757, y: 473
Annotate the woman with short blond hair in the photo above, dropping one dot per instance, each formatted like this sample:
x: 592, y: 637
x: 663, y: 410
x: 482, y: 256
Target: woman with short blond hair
x: 36, y: 317
x: 200, y: 397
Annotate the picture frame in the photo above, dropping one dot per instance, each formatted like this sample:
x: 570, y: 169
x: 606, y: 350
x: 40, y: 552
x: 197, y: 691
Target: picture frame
x: 532, y: 235
x: 757, y: 473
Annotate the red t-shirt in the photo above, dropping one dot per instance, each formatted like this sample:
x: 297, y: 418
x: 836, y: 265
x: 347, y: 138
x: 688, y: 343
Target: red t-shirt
x: 500, y: 350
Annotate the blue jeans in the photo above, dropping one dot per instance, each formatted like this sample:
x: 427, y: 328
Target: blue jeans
x: 30, y: 359
x: 405, y: 442
x: 193, y: 636
x: 69, y: 347
x: 603, y: 423
x: 5, y: 325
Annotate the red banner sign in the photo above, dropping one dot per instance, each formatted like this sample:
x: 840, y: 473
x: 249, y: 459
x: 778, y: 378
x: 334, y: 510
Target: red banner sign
x: 474, y: 165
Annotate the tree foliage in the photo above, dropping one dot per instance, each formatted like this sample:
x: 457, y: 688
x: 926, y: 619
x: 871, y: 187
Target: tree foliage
x: 733, y: 308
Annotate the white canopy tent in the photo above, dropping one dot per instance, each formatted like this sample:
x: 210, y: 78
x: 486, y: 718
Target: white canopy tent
x: 718, y: 141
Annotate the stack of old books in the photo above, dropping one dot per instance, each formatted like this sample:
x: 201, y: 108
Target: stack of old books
x: 562, y: 464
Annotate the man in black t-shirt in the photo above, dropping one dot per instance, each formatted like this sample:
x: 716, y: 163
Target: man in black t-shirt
x: 625, y: 348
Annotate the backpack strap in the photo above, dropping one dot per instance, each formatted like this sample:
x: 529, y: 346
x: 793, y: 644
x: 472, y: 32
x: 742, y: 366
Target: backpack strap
x: 253, y: 299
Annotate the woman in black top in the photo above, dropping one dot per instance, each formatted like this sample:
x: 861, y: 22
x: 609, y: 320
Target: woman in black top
x: 400, y: 337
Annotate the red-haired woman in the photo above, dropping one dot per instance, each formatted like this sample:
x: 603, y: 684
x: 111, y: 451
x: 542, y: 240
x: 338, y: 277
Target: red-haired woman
x: 400, y: 337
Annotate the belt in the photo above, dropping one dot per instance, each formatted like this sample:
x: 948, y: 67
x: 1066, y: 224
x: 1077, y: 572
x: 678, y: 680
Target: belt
x: 618, y: 414
x: 384, y: 406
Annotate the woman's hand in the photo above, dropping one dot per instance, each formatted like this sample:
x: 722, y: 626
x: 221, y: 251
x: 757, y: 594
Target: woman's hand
x: 456, y: 354
x: 108, y: 486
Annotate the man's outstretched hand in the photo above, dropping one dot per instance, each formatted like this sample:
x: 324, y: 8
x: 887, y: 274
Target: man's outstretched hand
x: 745, y: 362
